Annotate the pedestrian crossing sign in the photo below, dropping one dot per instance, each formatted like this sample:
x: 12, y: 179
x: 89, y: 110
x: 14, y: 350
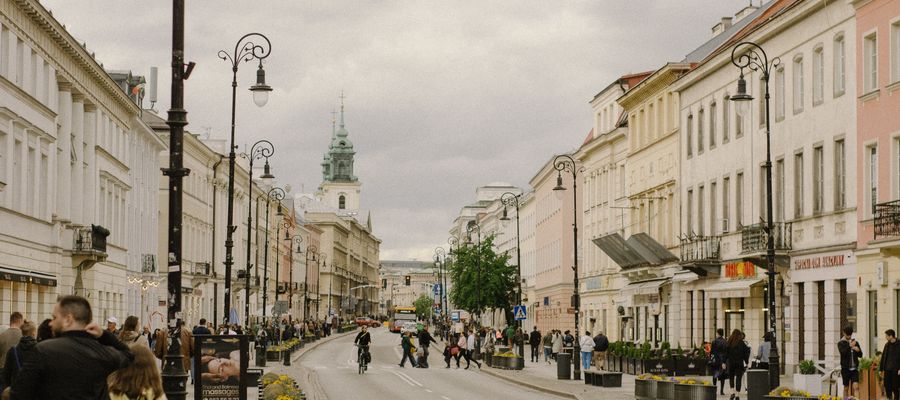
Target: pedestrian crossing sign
x: 519, y: 312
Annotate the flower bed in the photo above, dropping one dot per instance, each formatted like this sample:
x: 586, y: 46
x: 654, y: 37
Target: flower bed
x: 507, y: 360
x: 281, y: 387
x: 692, y: 389
x: 794, y: 394
x: 645, y: 387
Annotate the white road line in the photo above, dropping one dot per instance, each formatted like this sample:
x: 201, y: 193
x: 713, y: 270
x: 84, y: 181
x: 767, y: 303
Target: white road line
x: 445, y: 397
x: 428, y: 390
x: 403, y: 379
x: 411, y: 379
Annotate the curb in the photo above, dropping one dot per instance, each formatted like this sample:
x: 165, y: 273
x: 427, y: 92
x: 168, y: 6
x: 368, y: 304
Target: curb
x: 311, y: 387
x: 528, y: 384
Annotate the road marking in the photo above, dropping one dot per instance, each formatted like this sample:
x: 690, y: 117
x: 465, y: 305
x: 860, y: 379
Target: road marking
x: 428, y: 390
x: 403, y: 379
x: 445, y: 397
x: 411, y: 379
x: 320, y: 367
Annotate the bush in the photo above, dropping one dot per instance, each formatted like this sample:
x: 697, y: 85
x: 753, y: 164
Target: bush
x: 865, y: 363
x: 807, y: 367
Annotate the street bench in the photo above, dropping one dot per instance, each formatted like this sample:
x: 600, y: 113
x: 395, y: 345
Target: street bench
x: 603, y: 378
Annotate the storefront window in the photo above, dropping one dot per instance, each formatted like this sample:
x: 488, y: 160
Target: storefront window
x: 873, y: 325
x: 820, y: 315
x: 801, y: 322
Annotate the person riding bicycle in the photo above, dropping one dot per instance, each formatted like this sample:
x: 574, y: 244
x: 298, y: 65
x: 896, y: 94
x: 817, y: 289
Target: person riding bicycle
x: 363, y: 339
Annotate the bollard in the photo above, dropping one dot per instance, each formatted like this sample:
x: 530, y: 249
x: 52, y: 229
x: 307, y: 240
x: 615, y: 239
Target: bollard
x: 757, y: 384
x: 260, y: 356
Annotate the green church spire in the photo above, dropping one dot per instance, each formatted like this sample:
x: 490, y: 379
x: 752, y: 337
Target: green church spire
x: 337, y: 165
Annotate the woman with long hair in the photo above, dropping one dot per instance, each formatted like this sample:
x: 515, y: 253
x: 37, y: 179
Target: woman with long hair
x: 139, y: 380
x: 130, y: 332
x: 737, y: 354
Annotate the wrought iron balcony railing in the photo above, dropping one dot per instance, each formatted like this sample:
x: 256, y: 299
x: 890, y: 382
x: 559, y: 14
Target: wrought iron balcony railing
x: 887, y: 219
x: 701, y: 249
x: 92, y: 238
x: 753, y: 237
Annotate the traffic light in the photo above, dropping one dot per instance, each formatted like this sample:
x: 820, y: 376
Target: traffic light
x: 406, y: 280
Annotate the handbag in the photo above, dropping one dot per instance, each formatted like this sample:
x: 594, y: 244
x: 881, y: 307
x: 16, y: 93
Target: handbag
x: 454, y: 351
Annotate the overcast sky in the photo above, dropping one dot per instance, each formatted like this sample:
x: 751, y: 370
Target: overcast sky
x: 442, y: 96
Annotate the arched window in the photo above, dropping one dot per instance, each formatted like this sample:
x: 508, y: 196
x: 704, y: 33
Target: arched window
x: 342, y: 202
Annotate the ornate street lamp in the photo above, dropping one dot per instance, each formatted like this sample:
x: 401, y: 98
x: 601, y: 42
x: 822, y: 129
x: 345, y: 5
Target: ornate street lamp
x: 511, y: 199
x: 245, y: 50
x: 565, y: 162
x: 276, y: 194
x: 259, y: 150
x: 310, y: 255
x: 440, y: 258
x: 750, y: 55
x: 473, y: 226
x: 323, y: 258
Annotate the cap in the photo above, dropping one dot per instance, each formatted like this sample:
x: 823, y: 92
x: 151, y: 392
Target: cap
x: 113, y: 320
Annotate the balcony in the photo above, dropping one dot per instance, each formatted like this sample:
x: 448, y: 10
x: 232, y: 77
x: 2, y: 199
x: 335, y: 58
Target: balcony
x: 887, y: 219
x: 754, y: 245
x: 201, y: 272
x: 240, y: 280
x: 89, y: 246
x: 701, y: 254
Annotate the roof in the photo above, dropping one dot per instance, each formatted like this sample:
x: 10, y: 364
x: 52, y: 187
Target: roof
x: 700, y: 53
x: 590, y: 136
x: 756, y: 20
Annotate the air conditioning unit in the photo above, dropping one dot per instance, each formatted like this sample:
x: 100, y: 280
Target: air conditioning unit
x: 725, y: 225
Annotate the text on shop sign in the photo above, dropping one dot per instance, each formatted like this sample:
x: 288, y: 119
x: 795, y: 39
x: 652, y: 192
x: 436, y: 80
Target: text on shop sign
x: 819, y: 262
x: 737, y: 270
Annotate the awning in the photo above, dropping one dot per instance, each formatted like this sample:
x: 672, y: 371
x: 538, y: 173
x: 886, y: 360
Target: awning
x: 25, y: 276
x: 650, y: 249
x: 732, y: 289
x: 619, y: 251
x: 645, y: 287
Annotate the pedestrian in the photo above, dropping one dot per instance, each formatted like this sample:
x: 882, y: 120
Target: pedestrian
x: 187, y: 345
x: 519, y: 340
x: 557, y: 344
x: 140, y: 380
x: 75, y: 365
x: 850, y: 351
x: 201, y: 329
x: 601, y: 344
x: 568, y: 339
x: 737, y: 355
x: 18, y: 354
x: 44, y: 331
x: 763, y: 353
x: 510, y: 334
x: 470, y: 350
x: 9, y: 339
x: 890, y: 365
x: 534, y: 339
x: 455, y: 350
x: 718, y: 352
x: 129, y: 332
x: 548, y: 346
x: 406, y: 344
x: 425, y: 341
x: 586, y: 343
x: 112, y: 325
x: 448, y: 353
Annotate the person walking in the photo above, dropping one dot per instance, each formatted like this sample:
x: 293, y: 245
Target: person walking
x: 519, y: 341
x: 547, y: 341
x: 129, y: 332
x: 200, y: 329
x: 718, y: 352
x: 586, y: 342
x: 890, y: 365
x: 187, y: 345
x: 737, y: 355
x: 470, y: 350
x: 9, y: 339
x: 557, y: 344
x: 18, y: 354
x: 407, y: 345
x: 510, y: 334
x: 763, y: 353
x: 601, y: 344
x: 850, y: 351
x: 425, y: 341
x: 76, y: 364
x: 455, y: 350
x: 534, y: 339
x: 139, y: 380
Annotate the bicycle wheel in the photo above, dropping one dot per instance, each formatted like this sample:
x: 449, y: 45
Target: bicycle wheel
x: 362, y: 364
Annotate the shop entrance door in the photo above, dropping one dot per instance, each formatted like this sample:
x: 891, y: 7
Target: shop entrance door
x: 733, y: 320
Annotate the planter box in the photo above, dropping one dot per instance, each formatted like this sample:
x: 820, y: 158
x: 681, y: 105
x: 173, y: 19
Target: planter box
x: 869, y: 385
x: 488, y: 358
x: 513, y: 363
x: 790, y: 398
x: 645, y: 389
x: 694, y: 392
x: 659, y: 366
x: 690, y: 367
x: 630, y: 366
x: 273, y: 356
x: 808, y: 383
x: 665, y: 390
x: 608, y: 379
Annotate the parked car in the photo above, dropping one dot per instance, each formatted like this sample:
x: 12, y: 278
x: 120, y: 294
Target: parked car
x: 360, y: 321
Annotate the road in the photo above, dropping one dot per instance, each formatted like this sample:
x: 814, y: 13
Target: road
x: 335, y: 365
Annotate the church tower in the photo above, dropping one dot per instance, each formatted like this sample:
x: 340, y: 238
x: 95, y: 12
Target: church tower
x: 340, y: 188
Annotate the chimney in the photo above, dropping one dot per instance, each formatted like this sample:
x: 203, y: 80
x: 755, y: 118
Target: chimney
x: 744, y: 13
x: 722, y: 26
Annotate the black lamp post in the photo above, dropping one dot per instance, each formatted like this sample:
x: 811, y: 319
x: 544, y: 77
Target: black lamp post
x: 751, y: 55
x: 284, y: 224
x: 473, y: 226
x: 244, y: 50
x: 511, y: 199
x: 565, y: 162
x: 324, y: 260
x: 276, y: 194
x: 296, y: 239
x: 259, y: 150
x: 452, y: 241
x: 310, y: 255
x: 440, y: 258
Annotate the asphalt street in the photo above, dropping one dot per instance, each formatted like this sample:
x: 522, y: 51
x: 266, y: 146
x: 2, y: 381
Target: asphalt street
x: 335, y: 364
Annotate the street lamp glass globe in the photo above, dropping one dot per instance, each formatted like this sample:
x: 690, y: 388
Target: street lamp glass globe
x: 267, y: 176
x: 260, y: 89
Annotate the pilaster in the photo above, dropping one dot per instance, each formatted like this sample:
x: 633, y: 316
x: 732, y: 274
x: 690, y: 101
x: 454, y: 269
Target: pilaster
x: 77, y: 177
x: 64, y: 159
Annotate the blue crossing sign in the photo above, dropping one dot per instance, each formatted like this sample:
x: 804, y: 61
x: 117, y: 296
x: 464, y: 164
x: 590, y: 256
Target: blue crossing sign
x: 520, y: 313
x: 437, y: 289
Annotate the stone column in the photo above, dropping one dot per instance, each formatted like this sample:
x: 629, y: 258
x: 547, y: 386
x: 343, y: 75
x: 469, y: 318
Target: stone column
x: 90, y: 174
x: 811, y: 320
x: 64, y: 159
x: 77, y: 177
x: 832, y: 321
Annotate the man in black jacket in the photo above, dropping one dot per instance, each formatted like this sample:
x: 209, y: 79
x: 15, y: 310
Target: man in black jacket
x: 75, y: 364
x: 890, y: 365
x: 850, y: 351
x: 718, y: 351
x: 534, y: 339
x: 425, y: 340
x: 601, y: 344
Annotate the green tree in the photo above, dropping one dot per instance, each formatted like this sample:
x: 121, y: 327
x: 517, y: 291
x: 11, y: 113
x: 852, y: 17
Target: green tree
x: 423, y: 306
x: 481, y: 278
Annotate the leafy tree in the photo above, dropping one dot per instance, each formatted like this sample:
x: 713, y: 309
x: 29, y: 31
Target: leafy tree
x: 423, y: 306
x: 482, y: 279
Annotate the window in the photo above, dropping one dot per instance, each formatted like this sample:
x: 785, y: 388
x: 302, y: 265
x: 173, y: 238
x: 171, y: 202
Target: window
x: 726, y: 188
x: 342, y: 202
x: 713, y: 217
x: 895, y: 52
x: 779, y: 94
x: 798, y: 84
x: 739, y: 199
x: 761, y: 99
x: 818, y: 180
x: 818, y: 75
x: 778, y: 188
x: 690, y: 213
x: 798, y: 185
x: 840, y: 175
x: 725, y: 117
x: 712, y: 126
x: 839, y: 69
x: 690, y: 137
x: 870, y: 63
x: 872, y: 169
x: 700, y: 131
x: 701, y: 223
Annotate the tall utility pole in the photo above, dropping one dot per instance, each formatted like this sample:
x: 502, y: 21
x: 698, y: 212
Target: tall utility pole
x: 173, y: 374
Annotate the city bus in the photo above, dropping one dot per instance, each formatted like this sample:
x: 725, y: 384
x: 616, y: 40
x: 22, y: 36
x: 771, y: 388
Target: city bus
x: 401, y: 316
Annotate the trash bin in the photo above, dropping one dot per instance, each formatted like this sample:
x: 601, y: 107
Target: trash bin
x: 260, y: 356
x: 757, y: 384
x: 564, y: 366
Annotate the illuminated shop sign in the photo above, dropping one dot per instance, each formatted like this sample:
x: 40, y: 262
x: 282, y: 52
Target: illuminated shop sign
x: 740, y: 270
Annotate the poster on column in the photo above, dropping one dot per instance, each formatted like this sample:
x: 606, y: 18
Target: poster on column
x: 221, y: 365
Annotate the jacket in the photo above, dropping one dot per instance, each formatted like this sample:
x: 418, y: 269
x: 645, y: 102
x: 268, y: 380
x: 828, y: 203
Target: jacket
x: 187, y: 346
x: 8, y: 339
x: 462, y: 343
x: 601, y: 343
x: 405, y: 343
x: 586, y: 343
x: 719, y: 350
x: 557, y: 343
x: 134, y: 337
x: 849, y: 357
x: 534, y: 338
x: 736, y: 357
x: 548, y: 340
x: 73, y: 366
x: 425, y: 339
x: 890, y: 357
x: 15, y: 359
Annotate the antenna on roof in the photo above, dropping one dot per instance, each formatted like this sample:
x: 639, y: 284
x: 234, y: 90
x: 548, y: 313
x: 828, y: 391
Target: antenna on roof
x: 154, y: 74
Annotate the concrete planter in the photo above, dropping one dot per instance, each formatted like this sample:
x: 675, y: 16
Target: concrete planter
x: 665, y: 390
x: 694, y: 392
x: 658, y: 366
x: 513, y: 363
x: 273, y: 355
x: 808, y: 383
x: 488, y: 359
x: 690, y: 367
x: 645, y: 389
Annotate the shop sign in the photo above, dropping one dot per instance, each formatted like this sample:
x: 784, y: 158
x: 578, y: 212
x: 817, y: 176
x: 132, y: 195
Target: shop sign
x: 740, y: 270
x: 821, y: 261
x: 593, y: 283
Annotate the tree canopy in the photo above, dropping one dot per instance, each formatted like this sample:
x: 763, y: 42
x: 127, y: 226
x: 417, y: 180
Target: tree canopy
x: 423, y: 306
x: 482, y: 279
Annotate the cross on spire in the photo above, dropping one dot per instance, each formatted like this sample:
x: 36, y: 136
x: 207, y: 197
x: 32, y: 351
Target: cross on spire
x: 333, y: 119
x: 342, y: 97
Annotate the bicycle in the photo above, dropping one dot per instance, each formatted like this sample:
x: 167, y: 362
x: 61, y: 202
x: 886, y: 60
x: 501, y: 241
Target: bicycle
x: 361, y: 358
